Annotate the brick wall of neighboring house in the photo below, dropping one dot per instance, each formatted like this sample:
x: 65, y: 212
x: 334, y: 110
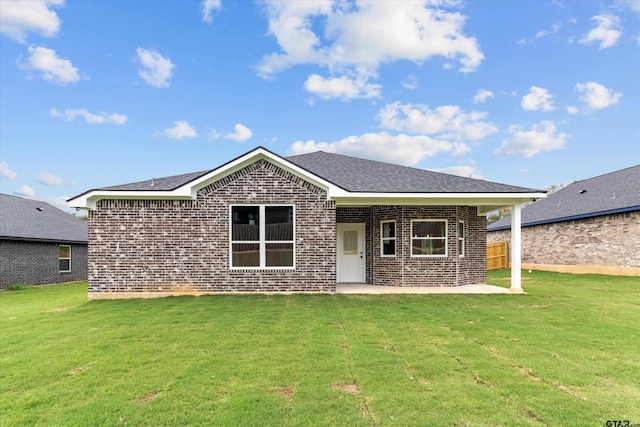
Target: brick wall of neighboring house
x: 450, y: 270
x: 156, y: 247
x: 37, y: 263
x: 609, y: 240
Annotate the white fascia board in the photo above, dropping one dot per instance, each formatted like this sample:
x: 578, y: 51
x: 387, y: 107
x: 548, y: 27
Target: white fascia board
x: 471, y: 199
x: 89, y: 200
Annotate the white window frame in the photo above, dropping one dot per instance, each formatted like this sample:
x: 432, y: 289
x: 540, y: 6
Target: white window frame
x: 61, y: 258
x: 446, y: 238
x: 462, y: 239
x: 262, y: 243
x: 385, y: 239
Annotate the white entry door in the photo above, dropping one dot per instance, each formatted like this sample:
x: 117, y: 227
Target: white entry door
x: 351, y: 253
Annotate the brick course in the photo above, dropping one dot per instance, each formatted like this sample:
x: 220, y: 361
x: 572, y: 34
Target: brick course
x: 608, y: 240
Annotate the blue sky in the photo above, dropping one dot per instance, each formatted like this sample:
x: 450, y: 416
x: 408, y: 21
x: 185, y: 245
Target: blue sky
x: 531, y: 93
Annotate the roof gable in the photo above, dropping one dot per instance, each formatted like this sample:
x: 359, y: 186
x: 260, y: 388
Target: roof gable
x: 26, y: 219
x: 605, y: 194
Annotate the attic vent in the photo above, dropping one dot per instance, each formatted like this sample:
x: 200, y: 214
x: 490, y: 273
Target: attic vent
x: 39, y: 209
x: 583, y: 191
x: 153, y: 182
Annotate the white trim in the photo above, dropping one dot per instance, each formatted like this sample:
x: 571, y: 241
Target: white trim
x: 446, y: 238
x: 394, y: 238
x: 516, y: 249
x: 262, y: 243
x: 463, y: 238
x: 362, y: 231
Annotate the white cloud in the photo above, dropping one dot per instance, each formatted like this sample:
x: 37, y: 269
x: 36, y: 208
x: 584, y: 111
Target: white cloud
x: 25, y: 191
x: 597, y: 96
x: 465, y: 171
x: 537, y: 99
x: 52, y: 68
x: 633, y: 5
x: 208, y: 6
x: 411, y: 83
x: 241, y: 133
x: 554, y: 29
x: 607, y: 31
x: 572, y: 109
x: 90, y: 118
x: 341, y: 87
x: 338, y: 35
x: 447, y: 121
x: 482, y: 96
x: 526, y: 143
x: 50, y: 179
x: 20, y: 17
x: 58, y: 201
x: 181, y: 130
x: 7, y: 173
x: 155, y: 69
x: 400, y: 149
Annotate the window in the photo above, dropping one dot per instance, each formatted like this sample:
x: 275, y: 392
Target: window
x: 388, y: 238
x: 428, y: 237
x: 262, y: 236
x: 460, y: 238
x: 64, y: 258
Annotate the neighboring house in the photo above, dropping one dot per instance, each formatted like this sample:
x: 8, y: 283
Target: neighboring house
x: 264, y: 223
x: 40, y: 244
x: 590, y: 226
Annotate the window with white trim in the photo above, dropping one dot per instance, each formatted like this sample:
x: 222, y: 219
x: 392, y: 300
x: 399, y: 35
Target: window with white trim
x: 64, y: 258
x: 388, y: 238
x: 262, y: 236
x: 461, y: 236
x: 428, y: 237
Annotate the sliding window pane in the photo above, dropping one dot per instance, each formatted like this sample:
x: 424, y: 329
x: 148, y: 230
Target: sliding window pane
x: 246, y: 223
x: 278, y: 223
x: 279, y: 254
x: 245, y: 255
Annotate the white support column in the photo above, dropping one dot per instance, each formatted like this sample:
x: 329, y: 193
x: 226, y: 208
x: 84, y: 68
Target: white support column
x: 516, y: 249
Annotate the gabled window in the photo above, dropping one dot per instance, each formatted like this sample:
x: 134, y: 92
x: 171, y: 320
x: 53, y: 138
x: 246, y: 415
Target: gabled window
x: 262, y: 236
x: 461, y: 240
x: 428, y: 237
x: 388, y: 238
x: 64, y: 258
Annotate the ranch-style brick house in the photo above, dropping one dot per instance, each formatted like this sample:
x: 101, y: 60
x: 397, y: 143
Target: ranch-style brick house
x: 265, y: 223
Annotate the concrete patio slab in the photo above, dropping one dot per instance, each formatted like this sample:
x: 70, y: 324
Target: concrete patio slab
x: 357, y: 288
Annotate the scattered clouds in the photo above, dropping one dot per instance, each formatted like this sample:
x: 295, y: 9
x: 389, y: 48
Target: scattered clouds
x: 50, y: 179
x: 447, y: 121
x: 544, y: 33
x: 538, y: 99
x: 154, y: 69
x: 482, y: 96
x: 18, y: 18
x: 181, y: 130
x: 411, y: 83
x: 527, y: 143
x: 338, y: 36
x: 400, y: 149
x: 607, y: 31
x: 25, y: 191
x: 89, y: 118
x: 572, y: 109
x: 208, y: 6
x: 240, y: 133
x: 51, y: 67
x: 7, y: 173
x: 341, y: 87
x: 633, y: 5
x: 596, y: 96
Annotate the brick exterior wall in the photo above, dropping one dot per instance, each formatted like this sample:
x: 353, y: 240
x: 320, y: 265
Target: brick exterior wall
x: 609, y: 240
x: 405, y: 270
x: 36, y: 263
x: 165, y: 247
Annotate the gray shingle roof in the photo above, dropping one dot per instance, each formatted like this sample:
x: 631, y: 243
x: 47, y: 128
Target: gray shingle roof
x: 364, y: 176
x: 355, y: 175
x: 617, y: 191
x: 25, y: 219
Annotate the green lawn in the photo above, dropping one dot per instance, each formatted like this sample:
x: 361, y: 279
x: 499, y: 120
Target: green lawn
x: 568, y: 353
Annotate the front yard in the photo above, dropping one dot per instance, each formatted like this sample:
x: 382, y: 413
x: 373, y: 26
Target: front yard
x: 565, y: 354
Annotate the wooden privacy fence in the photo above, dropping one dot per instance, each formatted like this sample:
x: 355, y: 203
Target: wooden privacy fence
x: 497, y: 255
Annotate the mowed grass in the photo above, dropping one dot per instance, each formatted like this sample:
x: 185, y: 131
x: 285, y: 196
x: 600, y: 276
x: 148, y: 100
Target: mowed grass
x: 568, y: 353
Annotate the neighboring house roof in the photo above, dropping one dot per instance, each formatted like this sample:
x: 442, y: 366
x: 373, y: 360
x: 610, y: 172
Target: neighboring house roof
x: 346, y: 179
x: 606, y: 194
x: 25, y: 219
